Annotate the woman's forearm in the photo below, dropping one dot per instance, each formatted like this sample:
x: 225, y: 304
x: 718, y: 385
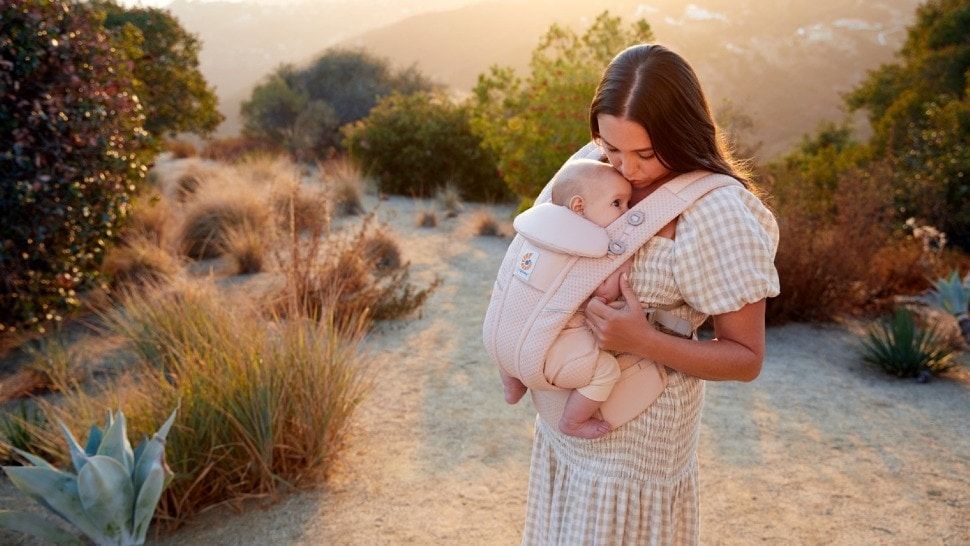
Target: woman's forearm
x: 715, y: 360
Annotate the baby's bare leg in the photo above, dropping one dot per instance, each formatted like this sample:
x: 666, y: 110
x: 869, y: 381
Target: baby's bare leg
x: 514, y: 389
x: 577, y: 418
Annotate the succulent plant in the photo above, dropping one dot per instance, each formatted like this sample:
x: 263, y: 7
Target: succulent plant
x: 112, y: 497
x: 900, y: 348
x: 952, y: 296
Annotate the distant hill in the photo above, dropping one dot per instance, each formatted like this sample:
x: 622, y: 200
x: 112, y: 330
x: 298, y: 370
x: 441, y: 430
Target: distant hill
x: 244, y: 41
x: 783, y: 63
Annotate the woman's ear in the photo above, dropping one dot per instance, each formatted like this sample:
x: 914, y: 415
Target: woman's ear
x: 576, y: 204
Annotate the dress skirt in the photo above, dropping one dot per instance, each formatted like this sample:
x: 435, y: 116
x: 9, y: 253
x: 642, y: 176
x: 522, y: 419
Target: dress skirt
x: 636, y: 485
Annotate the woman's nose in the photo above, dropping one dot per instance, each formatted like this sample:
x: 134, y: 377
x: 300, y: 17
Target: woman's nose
x: 628, y: 169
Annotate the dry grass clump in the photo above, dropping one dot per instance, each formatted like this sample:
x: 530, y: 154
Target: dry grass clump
x: 851, y: 259
x: 191, y: 179
x: 427, y: 219
x: 150, y: 218
x: 308, y: 207
x: 484, y: 224
x: 231, y: 149
x: 261, y: 408
x: 139, y: 260
x: 449, y: 199
x: 181, y: 149
x: 354, y: 278
x: 267, y: 171
x: 209, y: 219
x: 824, y: 263
x: 380, y: 249
x: 248, y: 248
x: 345, y: 185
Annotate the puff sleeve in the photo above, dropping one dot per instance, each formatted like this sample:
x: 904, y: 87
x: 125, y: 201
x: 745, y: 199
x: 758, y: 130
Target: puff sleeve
x: 724, y: 249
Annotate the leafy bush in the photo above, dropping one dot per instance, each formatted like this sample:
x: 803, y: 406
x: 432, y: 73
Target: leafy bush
x: 303, y: 109
x: 920, y: 113
x: 826, y: 251
x: 73, y: 151
x: 532, y: 124
x: 902, y: 349
x: 165, y: 64
x: 417, y: 144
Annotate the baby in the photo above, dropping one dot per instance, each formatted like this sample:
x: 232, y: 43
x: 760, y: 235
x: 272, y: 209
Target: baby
x: 597, y: 192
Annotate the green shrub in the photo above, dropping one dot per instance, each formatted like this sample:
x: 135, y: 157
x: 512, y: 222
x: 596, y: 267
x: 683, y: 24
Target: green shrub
x: 72, y: 152
x: 165, y: 63
x: 534, y: 124
x: 417, y: 144
x: 302, y: 109
x: 902, y: 349
x: 920, y: 114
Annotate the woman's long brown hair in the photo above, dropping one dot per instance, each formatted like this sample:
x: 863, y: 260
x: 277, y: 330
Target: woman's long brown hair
x: 655, y: 87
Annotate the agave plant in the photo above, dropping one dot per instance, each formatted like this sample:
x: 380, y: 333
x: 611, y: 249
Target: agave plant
x: 952, y: 296
x: 112, y: 497
x: 904, y: 350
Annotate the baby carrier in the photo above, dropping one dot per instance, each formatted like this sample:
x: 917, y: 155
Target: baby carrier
x: 548, y: 273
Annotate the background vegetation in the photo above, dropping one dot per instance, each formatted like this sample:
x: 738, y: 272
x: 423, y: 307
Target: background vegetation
x: 74, y: 150
x: 302, y: 110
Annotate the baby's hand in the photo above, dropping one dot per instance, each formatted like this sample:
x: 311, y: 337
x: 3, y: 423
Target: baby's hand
x: 617, y: 304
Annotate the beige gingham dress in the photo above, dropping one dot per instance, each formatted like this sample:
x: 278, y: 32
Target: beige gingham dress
x: 638, y: 484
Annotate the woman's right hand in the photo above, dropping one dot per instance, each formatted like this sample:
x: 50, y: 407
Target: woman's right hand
x: 622, y: 329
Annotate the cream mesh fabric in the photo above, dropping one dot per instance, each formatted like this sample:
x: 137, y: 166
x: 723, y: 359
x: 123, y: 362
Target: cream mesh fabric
x: 522, y: 322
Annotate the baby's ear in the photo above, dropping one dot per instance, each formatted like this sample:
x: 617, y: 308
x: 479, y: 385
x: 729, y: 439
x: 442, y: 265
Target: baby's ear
x: 576, y: 204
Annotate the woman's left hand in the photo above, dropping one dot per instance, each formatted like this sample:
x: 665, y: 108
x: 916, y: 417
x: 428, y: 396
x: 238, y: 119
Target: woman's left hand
x: 618, y: 329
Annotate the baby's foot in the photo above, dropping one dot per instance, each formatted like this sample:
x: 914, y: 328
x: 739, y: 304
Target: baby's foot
x: 514, y: 389
x: 589, y: 429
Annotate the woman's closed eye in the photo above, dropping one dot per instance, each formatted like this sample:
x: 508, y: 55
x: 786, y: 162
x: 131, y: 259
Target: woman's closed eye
x: 641, y: 155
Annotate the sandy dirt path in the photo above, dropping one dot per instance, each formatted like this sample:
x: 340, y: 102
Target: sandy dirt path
x: 820, y: 449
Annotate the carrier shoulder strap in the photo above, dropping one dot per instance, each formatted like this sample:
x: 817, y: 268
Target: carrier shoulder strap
x: 627, y: 234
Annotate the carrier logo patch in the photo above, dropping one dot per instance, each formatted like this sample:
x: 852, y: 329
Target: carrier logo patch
x: 527, y: 264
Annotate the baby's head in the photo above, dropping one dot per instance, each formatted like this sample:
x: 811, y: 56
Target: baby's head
x: 592, y: 189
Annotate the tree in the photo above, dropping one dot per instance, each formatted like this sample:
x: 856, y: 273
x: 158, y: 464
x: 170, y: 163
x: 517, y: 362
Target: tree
x: 415, y: 144
x: 172, y: 90
x: 272, y: 110
x: 920, y: 112
x: 533, y: 124
x: 72, y: 151
x: 341, y: 86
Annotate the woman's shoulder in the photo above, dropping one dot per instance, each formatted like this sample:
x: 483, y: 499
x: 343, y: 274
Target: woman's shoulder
x: 725, y: 210
x: 724, y: 251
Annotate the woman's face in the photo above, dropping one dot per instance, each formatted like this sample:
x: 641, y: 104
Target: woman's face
x: 627, y: 145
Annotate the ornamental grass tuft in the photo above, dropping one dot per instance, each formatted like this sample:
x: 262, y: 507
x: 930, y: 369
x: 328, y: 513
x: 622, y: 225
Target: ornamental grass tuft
x: 901, y: 348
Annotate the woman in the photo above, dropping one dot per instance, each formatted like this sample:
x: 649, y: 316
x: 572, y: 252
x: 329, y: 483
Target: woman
x: 638, y: 484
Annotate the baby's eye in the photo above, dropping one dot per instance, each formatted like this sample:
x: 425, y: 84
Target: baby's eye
x: 616, y: 202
